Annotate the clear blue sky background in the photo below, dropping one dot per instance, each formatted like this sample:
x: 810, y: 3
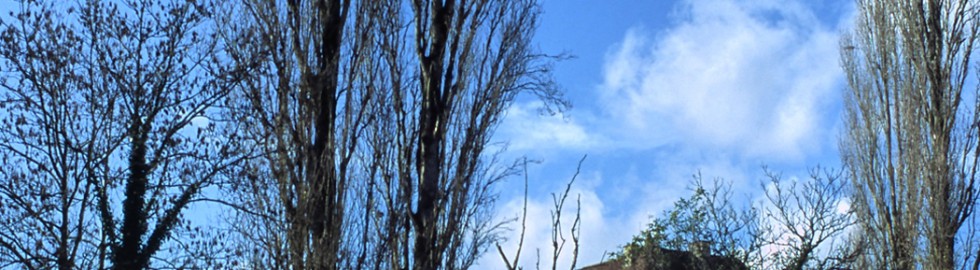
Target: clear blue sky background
x: 663, y: 90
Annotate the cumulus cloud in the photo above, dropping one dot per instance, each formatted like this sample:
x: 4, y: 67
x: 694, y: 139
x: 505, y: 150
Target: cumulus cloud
x: 731, y: 85
x: 748, y: 76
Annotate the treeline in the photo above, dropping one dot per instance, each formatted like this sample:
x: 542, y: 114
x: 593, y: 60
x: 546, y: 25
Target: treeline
x: 338, y: 134
x: 351, y: 134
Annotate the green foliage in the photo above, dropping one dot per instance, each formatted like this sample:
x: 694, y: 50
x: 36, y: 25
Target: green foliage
x: 706, y: 217
x: 796, y: 226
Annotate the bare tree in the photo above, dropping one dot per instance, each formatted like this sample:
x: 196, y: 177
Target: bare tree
x: 558, y: 237
x: 799, y: 225
x: 473, y: 59
x: 804, y: 216
x: 558, y: 231
x: 110, y: 110
x: 306, y: 107
x: 53, y: 142
x: 513, y: 264
x: 911, y: 144
x: 386, y: 112
x: 163, y: 62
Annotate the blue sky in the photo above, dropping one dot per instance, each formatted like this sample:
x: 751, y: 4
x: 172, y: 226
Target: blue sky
x: 663, y: 90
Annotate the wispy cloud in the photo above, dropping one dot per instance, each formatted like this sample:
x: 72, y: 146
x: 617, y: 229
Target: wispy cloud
x: 528, y: 128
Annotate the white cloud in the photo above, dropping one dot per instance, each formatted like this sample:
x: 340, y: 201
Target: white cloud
x: 638, y: 193
x: 748, y: 76
x: 732, y: 85
x: 527, y: 128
